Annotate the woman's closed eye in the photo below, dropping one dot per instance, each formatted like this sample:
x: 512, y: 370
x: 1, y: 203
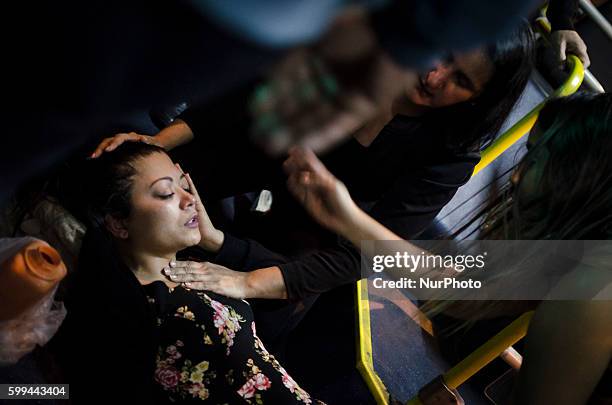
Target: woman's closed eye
x: 463, y: 81
x: 169, y: 195
x: 165, y: 196
x: 164, y: 187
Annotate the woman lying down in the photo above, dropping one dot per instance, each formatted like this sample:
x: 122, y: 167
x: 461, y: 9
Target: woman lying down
x: 133, y: 334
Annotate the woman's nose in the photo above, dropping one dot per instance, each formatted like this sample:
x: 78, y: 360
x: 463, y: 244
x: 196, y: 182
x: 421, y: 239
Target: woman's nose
x: 437, y: 77
x: 187, y: 199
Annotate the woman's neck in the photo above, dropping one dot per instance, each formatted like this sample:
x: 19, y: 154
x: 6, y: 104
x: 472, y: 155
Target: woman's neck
x: 147, y: 266
x: 401, y: 106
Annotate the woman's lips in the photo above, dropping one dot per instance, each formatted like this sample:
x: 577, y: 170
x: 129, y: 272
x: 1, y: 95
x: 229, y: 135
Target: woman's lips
x: 192, y: 223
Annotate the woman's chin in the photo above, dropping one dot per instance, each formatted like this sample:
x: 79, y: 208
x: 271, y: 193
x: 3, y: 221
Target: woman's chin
x: 195, y: 237
x: 190, y: 238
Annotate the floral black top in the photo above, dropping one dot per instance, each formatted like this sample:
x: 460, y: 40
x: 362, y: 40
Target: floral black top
x: 209, y: 351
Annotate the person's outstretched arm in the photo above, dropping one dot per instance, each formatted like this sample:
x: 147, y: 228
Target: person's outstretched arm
x: 176, y: 134
x: 568, y: 343
x: 265, y: 274
x: 327, y: 200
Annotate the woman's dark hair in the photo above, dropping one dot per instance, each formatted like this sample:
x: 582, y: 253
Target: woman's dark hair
x: 570, y: 198
x: 574, y: 199
x: 477, y: 121
x: 109, y: 181
x: 110, y: 322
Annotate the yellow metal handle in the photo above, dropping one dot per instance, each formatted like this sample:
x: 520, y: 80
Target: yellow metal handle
x: 486, y: 353
x: 524, y: 125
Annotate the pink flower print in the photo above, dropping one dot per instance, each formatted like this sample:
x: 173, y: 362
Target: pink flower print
x: 289, y: 382
x: 226, y: 322
x: 293, y: 387
x: 217, y: 306
x: 253, y: 328
x: 247, y: 390
x: 219, y: 320
x: 222, y: 315
x: 262, y: 382
x: 168, y: 377
x: 258, y: 382
x: 174, y: 354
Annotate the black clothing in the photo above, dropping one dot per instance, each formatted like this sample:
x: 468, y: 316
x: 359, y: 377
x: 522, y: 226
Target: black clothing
x: 275, y: 318
x: 403, y: 179
x: 561, y: 13
x: 209, y: 351
x: 111, y: 339
x: 87, y: 80
x: 108, y: 318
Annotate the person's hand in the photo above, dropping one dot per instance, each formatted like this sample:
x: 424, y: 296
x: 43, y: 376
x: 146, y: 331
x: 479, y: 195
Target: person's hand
x: 211, y: 238
x: 304, y: 102
x: 325, y: 197
x: 568, y: 41
x: 210, y: 277
x: 111, y: 143
x: 318, y: 97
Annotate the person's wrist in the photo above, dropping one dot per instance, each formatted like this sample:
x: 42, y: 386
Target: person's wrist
x: 249, y: 286
x: 176, y: 134
x: 264, y: 283
x: 162, y: 140
x: 353, y: 229
x: 351, y: 218
x: 212, y: 241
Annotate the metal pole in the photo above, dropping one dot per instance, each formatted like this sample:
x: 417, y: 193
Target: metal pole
x: 596, y: 16
x: 592, y: 82
x: 512, y: 357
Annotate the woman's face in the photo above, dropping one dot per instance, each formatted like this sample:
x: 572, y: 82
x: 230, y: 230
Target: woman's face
x: 458, y: 79
x: 163, y: 217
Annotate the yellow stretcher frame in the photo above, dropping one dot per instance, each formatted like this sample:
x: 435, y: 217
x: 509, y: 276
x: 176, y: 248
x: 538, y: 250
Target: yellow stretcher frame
x: 365, y: 363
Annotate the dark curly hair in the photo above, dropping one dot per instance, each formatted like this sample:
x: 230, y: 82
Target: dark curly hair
x: 109, y: 184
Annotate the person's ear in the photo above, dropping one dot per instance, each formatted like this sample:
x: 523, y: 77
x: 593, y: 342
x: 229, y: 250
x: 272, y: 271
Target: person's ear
x: 117, y: 227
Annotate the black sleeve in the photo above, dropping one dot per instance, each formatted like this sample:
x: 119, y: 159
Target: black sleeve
x: 310, y: 274
x: 321, y: 271
x: 237, y: 254
x: 246, y: 255
x: 408, y: 208
x: 560, y: 13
